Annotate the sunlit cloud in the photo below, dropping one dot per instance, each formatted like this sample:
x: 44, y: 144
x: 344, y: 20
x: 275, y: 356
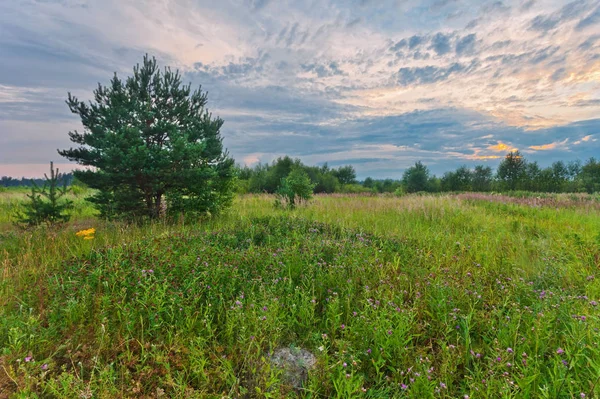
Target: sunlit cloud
x: 501, y: 147
x: 323, y: 78
x: 550, y: 146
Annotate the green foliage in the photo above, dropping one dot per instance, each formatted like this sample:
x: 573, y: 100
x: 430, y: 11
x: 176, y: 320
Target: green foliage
x: 459, y: 180
x: 345, y: 174
x: 416, y: 178
x: 512, y: 171
x: 295, y: 189
x: 420, y: 297
x: 46, y: 205
x: 150, y: 139
x: 590, y: 176
x: 482, y: 178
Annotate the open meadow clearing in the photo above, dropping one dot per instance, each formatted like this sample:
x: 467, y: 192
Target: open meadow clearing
x: 418, y: 296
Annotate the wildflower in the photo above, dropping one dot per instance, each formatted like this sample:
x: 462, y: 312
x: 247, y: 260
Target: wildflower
x: 28, y: 359
x: 509, y: 350
x: 560, y: 351
x: 404, y: 386
x: 582, y: 395
x: 369, y: 351
x: 565, y: 363
x: 498, y: 359
x: 442, y: 385
x: 321, y: 348
x: 45, y: 366
x: 345, y: 364
x: 86, y: 234
x: 343, y: 326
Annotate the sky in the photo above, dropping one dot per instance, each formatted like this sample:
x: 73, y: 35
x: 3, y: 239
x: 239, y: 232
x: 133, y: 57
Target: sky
x: 378, y: 84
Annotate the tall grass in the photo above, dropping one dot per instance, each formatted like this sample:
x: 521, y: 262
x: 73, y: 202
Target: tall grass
x: 397, y: 297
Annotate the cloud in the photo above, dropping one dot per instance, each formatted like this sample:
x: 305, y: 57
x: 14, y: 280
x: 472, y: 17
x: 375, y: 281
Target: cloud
x: 440, y: 43
x: 549, y: 146
x: 443, y: 81
x: 466, y: 45
x: 547, y: 22
x: 430, y: 74
x: 593, y: 19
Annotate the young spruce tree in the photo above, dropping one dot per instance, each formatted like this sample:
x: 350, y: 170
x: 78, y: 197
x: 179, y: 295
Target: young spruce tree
x: 47, y: 203
x: 149, y: 139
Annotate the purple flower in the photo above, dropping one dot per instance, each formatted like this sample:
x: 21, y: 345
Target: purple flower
x: 498, y: 359
x: 560, y: 351
x: 343, y: 326
x: 28, y: 359
x: 509, y: 350
x: 404, y: 386
x: 44, y: 366
x: 369, y: 350
x: 442, y: 385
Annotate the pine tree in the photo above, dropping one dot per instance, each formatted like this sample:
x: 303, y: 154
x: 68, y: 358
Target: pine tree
x: 47, y: 204
x: 150, y: 139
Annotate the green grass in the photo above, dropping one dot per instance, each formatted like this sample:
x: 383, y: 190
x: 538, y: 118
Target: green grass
x: 397, y: 297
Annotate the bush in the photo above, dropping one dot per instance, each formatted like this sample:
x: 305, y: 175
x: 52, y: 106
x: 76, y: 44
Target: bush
x: 294, y: 189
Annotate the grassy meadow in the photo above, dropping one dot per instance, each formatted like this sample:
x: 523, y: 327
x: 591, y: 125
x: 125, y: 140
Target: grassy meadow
x: 411, y: 297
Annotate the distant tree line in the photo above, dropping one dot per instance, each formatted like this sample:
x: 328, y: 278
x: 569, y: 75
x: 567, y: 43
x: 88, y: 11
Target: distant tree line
x: 6, y: 181
x: 267, y: 178
x: 513, y: 173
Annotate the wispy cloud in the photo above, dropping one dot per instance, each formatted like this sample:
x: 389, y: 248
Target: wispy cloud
x: 325, y: 78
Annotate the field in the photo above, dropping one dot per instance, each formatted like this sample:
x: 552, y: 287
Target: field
x: 418, y: 296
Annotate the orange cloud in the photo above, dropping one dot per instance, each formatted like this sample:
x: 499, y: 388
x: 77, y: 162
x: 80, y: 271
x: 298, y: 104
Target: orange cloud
x: 501, y: 147
x: 543, y: 147
x: 480, y: 157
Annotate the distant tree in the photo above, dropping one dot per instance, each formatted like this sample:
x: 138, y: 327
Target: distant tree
x: 345, y: 174
x: 459, y: 180
x: 46, y: 204
x: 482, y: 178
x: 279, y: 169
x: 590, y: 176
x: 295, y: 188
x: 416, y: 178
x: 512, y: 171
x: 148, y: 139
x: 369, y: 182
x: 535, y: 178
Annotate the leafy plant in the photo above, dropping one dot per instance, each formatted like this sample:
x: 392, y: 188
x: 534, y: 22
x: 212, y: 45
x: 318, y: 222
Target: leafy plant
x: 294, y: 189
x: 46, y: 204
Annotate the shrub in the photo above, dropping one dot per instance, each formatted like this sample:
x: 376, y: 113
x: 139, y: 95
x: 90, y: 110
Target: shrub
x: 47, y: 204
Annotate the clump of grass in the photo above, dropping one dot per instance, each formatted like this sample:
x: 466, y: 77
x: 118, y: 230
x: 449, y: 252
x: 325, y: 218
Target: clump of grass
x: 410, y: 297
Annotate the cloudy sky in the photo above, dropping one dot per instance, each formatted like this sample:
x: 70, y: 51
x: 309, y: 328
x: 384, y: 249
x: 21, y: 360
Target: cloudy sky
x: 378, y: 84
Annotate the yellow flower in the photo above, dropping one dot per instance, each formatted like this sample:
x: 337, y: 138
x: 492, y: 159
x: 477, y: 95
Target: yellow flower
x: 86, y: 234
